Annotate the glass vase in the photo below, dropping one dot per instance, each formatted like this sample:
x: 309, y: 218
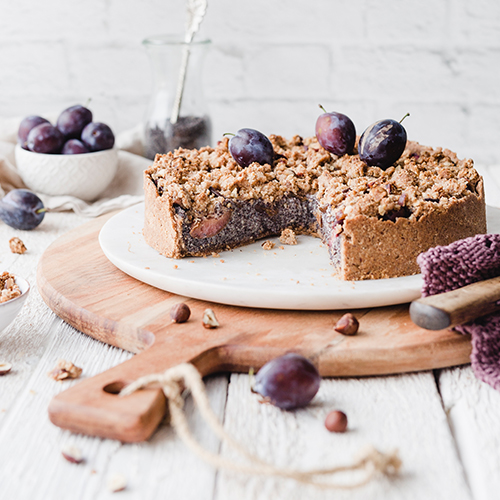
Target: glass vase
x: 173, y: 122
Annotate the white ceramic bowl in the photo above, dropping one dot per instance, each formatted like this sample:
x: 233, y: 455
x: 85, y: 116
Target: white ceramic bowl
x: 85, y: 175
x: 9, y: 309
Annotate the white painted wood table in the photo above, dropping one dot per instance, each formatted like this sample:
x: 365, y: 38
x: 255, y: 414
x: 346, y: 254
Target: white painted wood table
x: 445, y: 423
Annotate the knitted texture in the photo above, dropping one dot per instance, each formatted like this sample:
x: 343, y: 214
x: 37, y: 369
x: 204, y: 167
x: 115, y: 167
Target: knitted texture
x: 459, y: 264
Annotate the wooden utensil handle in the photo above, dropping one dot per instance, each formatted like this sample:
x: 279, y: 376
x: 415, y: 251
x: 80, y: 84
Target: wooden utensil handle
x: 458, y: 306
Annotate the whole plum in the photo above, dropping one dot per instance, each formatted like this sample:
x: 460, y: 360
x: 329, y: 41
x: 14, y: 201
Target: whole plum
x: 25, y: 126
x: 73, y: 120
x: 336, y: 133
x: 382, y: 143
x: 98, y: 136
x: 22, y: 209
x: 288, y: 382
x: 74, y: 147
x: 248, y: 146
x: 45, y: 138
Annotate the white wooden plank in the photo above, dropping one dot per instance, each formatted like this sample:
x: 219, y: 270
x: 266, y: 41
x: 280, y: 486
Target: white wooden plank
x: 164, y: 467
x: 31, y: 464
x: 31, y: 442
x: 402, y: 412
x: 25, y: 340
x: 473, y: 408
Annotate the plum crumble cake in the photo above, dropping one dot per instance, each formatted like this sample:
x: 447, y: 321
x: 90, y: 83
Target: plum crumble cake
x: 374, y: 221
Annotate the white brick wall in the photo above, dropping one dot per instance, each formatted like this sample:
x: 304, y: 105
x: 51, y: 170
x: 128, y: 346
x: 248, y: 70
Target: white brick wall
x: 271, y: 63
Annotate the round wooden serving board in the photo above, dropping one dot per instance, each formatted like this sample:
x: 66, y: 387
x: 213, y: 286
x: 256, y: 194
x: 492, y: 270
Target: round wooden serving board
x: 82, y: 287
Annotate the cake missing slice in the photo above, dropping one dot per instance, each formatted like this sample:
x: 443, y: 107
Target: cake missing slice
x: 375, y: 222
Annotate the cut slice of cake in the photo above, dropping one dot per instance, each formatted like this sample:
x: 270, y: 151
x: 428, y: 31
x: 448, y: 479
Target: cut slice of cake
x: 375, y: 222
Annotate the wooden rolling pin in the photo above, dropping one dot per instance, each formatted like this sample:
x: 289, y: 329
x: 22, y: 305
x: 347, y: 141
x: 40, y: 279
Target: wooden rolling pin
x: 458, y: 306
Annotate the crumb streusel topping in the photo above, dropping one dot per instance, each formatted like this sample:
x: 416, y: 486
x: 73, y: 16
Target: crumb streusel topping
x: 422, y: 180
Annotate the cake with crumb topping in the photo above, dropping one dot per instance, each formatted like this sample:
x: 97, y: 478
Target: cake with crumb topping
x: 375, y: 222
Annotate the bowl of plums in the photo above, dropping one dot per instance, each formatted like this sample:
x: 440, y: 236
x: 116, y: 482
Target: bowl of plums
x: 74, y: 157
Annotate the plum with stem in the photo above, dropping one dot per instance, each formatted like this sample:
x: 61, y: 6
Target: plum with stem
x: 249, y: 146
x: 383, y: 143
x: 22, y: 209
x: 335, y: 132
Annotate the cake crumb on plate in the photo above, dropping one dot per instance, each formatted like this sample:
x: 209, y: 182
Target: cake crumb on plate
x: 268, y: 245
x: 288, y: 237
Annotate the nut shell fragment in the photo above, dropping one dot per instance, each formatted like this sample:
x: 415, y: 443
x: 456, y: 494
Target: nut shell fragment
x: 8, y: 287
x: 64, y: 370
x: 17, y: 245
x: 209, y: 319
x: 72, y: 454
x: 5, y: 367
x: 116, y: 483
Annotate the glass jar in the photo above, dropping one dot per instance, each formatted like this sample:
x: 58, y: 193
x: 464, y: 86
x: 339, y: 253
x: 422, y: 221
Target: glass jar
x: 192, y: 127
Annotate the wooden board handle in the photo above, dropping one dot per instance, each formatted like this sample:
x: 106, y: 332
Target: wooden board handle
x: 93, y: 406
x: 458, y: 306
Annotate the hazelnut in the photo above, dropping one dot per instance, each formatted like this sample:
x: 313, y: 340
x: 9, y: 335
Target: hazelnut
x: 336, y: 421
x: 209, y: 319
x: 116, y: 483
x: 72, y: 454
x: 5, y: 367
x: 180, y: 313
x: 347, y: 325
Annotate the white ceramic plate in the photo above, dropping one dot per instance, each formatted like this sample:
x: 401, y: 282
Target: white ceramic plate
x: 292, y: 277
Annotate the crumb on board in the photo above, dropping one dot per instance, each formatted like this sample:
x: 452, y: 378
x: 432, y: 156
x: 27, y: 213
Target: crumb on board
x: 17, y: 245
x: 288, y: 237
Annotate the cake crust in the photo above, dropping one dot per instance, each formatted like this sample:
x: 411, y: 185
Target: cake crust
x: 161, y: 227
x: 369, y: 245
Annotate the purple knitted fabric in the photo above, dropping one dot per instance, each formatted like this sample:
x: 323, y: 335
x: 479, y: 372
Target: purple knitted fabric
x: 460, y: 264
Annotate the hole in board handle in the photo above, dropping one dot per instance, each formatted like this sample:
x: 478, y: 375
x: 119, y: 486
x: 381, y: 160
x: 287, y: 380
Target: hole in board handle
x: 114, y: 387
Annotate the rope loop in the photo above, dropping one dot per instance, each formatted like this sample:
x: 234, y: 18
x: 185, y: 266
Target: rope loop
x: 176, y: 380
